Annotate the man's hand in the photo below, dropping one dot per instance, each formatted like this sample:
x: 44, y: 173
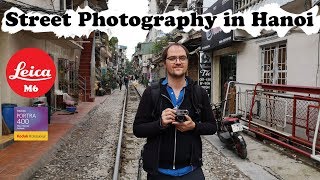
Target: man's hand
x: 168, y: 116
x: 186, y: 125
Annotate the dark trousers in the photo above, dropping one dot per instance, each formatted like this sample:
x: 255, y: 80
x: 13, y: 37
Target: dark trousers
x: 197, y: 174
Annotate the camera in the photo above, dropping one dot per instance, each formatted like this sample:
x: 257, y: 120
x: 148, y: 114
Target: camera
x: 180, y: 115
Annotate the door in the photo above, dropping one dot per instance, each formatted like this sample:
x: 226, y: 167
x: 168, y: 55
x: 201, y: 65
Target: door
x: 228, y: 73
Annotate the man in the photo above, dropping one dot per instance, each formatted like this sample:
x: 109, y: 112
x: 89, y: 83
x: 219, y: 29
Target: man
x: 126, y: 81
x: 173, y: 149
x: 120, y: 82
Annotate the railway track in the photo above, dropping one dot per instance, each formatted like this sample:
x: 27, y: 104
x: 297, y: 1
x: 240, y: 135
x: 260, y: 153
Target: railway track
x: 129, y: 147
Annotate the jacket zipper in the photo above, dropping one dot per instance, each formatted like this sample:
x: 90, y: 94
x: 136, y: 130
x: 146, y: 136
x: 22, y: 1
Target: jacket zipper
x: 174, y: 150
x: 167, y: 98
x: 175, y: 138
x: 175, y: 135
x: 175, y: 141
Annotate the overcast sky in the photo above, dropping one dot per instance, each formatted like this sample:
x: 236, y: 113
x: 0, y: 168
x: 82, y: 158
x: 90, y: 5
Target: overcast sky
x: 129, y: 36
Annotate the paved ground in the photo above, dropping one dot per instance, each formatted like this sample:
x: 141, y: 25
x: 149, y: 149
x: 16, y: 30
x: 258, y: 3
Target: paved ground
x: 266, y: 162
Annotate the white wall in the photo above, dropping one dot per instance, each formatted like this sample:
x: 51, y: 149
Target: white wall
x: 248, y: 63
x: 302, y: 59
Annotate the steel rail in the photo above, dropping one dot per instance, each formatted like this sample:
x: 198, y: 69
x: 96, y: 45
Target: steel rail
x: 117, y: 162
x: 140, y: 158
x: 140, y: 95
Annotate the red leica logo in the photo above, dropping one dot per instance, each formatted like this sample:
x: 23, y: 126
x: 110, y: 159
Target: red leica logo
x: 31, y: 72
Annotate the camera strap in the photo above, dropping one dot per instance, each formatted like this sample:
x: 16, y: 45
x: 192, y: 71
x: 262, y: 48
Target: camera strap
x: 155, y: 95
x: 196, y: 98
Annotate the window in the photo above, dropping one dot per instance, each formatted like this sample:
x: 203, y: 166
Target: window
x: 63, y: 71
x: 274, y: 64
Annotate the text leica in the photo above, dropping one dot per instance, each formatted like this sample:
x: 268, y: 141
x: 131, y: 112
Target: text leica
x: 27, y: 75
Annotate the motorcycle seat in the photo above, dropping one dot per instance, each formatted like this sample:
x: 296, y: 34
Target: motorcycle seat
x: 229, y: 120
x: 235, y: 115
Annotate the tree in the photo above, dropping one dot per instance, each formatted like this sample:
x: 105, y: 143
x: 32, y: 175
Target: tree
x: 113, y: 42
x: 128, y: 69
x: 108, y: 80
x: 158, y: 46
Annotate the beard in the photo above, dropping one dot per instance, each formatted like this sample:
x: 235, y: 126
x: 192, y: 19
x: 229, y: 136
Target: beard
x: 177, y: 74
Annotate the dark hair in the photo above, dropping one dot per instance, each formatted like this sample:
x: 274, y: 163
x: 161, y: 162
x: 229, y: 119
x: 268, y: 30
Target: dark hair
x: 165, y: 51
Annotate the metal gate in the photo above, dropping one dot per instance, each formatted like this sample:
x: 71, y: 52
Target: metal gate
x: 287, y: 115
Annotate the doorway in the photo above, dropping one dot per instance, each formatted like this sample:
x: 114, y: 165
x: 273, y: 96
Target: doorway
x: 228, y: 71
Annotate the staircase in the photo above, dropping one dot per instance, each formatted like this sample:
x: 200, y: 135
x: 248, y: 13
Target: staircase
x: 85, y: 70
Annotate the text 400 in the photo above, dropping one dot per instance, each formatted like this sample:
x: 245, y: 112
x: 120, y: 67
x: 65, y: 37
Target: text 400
x: 23, y: 121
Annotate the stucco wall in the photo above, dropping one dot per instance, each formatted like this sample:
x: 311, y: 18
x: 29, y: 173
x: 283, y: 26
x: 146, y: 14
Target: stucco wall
x: 248, y: 63
x: 303, y: 59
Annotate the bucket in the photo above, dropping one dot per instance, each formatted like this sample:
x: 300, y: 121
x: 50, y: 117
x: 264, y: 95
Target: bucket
x: 71, y: 109
x: 8, y: 114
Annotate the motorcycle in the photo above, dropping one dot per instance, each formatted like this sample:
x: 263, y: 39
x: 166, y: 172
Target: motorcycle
x: 228, y: 131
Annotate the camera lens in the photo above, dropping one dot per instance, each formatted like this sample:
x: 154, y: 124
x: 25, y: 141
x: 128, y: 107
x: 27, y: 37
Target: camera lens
x: 180, y: 118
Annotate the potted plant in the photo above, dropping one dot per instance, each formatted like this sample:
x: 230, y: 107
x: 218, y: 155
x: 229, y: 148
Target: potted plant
x: 108, y: 81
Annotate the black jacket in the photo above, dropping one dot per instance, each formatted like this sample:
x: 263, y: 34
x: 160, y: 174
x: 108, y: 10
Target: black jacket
x: 160, y: 151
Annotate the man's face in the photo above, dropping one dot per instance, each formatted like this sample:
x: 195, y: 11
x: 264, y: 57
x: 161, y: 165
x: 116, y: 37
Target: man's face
x: 176, y: 62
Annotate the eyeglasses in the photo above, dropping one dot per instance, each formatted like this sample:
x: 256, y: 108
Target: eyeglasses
x: 173, y: 59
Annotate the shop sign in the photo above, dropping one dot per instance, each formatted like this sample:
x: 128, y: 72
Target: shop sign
x: 215, y: 38
x: 205, y: 72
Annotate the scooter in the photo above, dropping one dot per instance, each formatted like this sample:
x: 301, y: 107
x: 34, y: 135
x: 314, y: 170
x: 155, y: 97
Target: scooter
x: 228, y: 130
